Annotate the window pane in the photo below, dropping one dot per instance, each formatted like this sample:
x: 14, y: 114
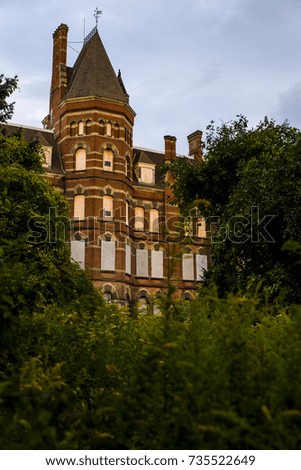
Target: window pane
x: 80, y: 128
x: 201, y: 227
x: 142, y: 263
x: 128, y: 259
x: 107, y: 256
x: 139, y: 218
x: 108, y: 160
x: 201, y: 266
x: 80, y: 160
x: 79, y: 207
x: 147, y: 175
x: 157, y: 264
x: 108, y: 206
x: 78, y: 252
x: 154, y: 220
x: 187, y: 266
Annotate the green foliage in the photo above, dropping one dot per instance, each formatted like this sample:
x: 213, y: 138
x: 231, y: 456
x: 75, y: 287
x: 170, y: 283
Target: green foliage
x: 249, y: 181
x: 35, y: 264
x: 7, y: 87
x: 228, y: 378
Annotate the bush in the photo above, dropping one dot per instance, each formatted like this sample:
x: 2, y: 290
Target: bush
x: 227, y: 378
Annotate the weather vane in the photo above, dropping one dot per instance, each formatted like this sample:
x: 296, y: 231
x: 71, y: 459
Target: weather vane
x: 97, y: 14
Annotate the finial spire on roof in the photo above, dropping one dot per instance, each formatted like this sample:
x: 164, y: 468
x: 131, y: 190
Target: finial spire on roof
x: 97, y: 14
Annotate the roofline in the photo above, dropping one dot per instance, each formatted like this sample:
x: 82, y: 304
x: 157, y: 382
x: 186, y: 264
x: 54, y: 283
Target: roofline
x: 179, y: 155
x: 23, y: 126
x: 148, y: 150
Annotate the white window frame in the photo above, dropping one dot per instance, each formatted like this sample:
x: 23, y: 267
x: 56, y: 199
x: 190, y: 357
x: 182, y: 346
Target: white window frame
x: 141, y: 263
x: 78, y: 249
x: 187, y: 267
x: 157, y: 264
x: 108, y: 255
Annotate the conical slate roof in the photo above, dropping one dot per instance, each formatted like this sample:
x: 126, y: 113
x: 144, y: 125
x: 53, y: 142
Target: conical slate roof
x: 93, y: 74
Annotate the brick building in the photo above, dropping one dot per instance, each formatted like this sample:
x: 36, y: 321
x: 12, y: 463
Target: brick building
x: 125, y: 232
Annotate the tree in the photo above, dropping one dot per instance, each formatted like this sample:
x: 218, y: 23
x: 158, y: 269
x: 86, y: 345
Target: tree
x: 7, y: 87
x: 35, y: 266
x: 249, y: 180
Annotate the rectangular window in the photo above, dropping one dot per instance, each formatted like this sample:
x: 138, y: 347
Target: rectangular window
x: 79, y: 207
x: 108, y: 206
x: 107, y: 256
x: 48, y: 156
x: 157, y: 264
x: 201, y: 266
x: 128, y: 259
x: 142, y: 263
x: 187, y: 267
x: 127, y: 211
x: 201, y: 227
x: 78, y: 252
x: 108, y: 158
x: 146, y: 175
x: 154, y: 220
x: 139, y: 218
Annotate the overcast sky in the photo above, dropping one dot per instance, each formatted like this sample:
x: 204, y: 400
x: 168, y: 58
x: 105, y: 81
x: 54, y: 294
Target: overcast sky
x: 183, y: 62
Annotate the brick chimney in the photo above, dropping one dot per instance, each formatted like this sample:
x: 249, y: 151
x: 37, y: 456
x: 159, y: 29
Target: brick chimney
x: 195, y: 145
x: 59, y: 68
x: 170, y: 148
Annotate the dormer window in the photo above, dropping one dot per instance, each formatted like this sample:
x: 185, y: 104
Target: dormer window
x: 48, y: 157
x: 146, y: 173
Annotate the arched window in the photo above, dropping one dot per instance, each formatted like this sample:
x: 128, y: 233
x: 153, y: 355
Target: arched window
x: 127, y: 212
x: 80, y: 159
x: 127, y: 300
x: 81, y: 128
x: 107, y: 297
x: 108, y: 157
x: 107, y: 206
x: 116, y: 131
x: 109, y: 129
x: 89, y: 127
x: 127, y: 166
x: 154, y: 220
x: 79, y: 207
x: 73, y: 127
x: 157, y: 308
x: 139, y: 218
x: 142, y: 306
x: 101, y: 128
